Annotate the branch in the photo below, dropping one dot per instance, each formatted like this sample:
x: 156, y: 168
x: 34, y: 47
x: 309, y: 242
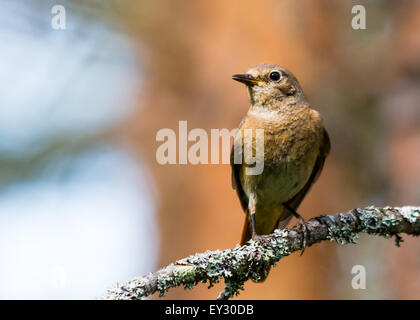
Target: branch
x: 241, y: 264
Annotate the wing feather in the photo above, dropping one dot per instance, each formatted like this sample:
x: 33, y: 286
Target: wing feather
x: 319, y: 164
x: 236, y: 182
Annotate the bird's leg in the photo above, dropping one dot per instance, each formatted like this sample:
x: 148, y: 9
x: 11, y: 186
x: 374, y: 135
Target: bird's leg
x: 301, y: 223
x: 251, y: 210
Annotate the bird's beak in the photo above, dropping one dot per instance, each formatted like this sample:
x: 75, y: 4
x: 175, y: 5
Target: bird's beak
x: 245, y: 78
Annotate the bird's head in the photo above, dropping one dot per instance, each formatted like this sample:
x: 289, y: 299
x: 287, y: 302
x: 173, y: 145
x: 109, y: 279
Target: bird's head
x: 270, y: 83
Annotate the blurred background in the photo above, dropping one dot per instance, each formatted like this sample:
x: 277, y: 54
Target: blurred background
x: 84, y: 203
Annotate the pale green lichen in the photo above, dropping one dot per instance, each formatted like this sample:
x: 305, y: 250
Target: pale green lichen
x: 246, y: 263
x: 373, y: 221
x: 390, y: 219
x: 281, y: 244
x: 240, y: 264
x: 185, y: 275
x: 163, y: 280
x: 411, y: 213
x: 342, y: 234
x: 370, y: 222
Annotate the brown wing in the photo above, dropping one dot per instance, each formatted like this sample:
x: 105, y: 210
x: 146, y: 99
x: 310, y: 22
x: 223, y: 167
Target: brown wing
x: 325, y: 150
x: 236, y: 182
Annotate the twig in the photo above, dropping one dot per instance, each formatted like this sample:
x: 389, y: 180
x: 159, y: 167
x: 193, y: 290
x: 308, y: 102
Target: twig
x: 241, y: 264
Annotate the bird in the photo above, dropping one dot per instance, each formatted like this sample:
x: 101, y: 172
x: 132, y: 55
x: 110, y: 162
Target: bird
x: 295, y: 143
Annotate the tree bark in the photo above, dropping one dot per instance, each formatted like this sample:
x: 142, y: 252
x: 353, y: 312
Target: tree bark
x: 241, y: 264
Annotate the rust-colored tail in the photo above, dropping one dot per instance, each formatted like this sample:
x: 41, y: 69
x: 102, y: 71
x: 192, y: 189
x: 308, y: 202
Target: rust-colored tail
x: 246, y: 231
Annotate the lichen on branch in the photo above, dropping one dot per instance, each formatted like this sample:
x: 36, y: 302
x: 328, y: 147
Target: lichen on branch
x: 248, y: 262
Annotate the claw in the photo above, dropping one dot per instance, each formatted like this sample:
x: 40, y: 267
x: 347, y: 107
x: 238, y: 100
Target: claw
x: 260, y: 238
x: 302, y: 224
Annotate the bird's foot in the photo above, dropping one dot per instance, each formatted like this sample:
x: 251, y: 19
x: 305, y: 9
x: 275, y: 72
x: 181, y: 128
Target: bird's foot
x: 260, y: 239
x: 302, y: 226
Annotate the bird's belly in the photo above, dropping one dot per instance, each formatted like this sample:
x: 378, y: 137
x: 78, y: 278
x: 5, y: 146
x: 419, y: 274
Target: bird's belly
x: 289, y: 158
x: 290, y: 152
x: 278, y: 183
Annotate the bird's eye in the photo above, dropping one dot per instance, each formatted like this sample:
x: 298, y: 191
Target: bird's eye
x: 275, y: 76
